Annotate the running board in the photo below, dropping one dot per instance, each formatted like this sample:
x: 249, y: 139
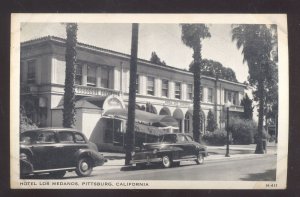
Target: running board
x: 185, y: 159
x: 53, y: 170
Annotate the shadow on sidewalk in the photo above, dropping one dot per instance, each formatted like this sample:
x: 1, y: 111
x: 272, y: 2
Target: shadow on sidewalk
x: 269, y: 175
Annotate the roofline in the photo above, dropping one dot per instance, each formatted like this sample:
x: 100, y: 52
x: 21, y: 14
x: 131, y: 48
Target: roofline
x: 122, y: 55
x: 53, y: 129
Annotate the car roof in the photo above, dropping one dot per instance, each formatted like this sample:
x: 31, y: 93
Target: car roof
x: 54, y: 129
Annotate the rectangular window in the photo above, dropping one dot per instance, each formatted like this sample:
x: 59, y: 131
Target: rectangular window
x: 78, y: 76
x: 177, y: 90
x: 150, y: 85
x: 189, y: 92
x: 231, y: 96
x: 209, y: 95
x: 31, y: 71
x: 91, y: 75
x: 164, y: 88
x: 104, y: 77
x: 201, y: 93
x: 137, y: 84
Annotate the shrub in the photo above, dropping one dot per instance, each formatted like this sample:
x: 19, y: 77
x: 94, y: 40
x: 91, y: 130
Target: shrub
x: 25, y: 122
x: 242, y: 130
x: 265, y: 135
x: 216, y: 138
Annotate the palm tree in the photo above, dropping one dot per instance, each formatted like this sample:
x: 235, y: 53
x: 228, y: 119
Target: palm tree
x: 69, y: 95
x: 191, y: 35
x: 130, y: 141
x: 257, y: 43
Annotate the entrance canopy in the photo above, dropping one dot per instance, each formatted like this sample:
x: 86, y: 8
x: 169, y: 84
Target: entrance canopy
x: 143, y: 117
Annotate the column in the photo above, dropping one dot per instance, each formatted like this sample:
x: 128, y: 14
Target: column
x: 171, y: 89
x: 84, y: 74
x: 98, y: 76
x: 157, y: 88
x: 182, y: 125
x: 143, y: 85
x: 183, y: 91
x: 116, y: 78
x: 24, y: 70
x: 204, y: 94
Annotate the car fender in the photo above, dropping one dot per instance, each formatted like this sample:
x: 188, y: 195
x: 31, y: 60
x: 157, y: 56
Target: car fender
x: 26, y: 166
x: 97, y: 159
x: 171, y: 151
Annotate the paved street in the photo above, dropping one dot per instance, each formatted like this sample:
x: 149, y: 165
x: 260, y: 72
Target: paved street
x: 242, y: 165
x: 251, y: 169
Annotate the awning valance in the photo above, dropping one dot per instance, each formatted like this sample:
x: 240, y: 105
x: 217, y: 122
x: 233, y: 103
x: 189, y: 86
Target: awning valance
x: 143, y: 117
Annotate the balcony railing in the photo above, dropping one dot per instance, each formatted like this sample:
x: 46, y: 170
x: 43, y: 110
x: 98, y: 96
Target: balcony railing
x: 85, y: 90
x: 236, y: 108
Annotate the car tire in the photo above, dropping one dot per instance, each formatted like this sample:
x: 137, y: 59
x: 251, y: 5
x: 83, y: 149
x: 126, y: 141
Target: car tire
x: 84, y: 167
x: 57, y: 174
x: 166, y: 161
x: 200, y: 159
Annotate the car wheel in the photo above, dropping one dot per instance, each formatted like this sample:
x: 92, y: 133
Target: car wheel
x: 200, y: 159
x: 84, y: 167
x: 166, y: 161
x: 57, y: 174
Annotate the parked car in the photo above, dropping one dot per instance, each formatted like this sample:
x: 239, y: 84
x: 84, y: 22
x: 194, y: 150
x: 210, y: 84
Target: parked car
x: 169, y: 151
x: 57, y: 150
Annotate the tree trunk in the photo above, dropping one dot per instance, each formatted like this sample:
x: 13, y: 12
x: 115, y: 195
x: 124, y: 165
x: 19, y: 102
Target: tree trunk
x: 197, y: 84
x: 69, y: 95
x: 130, y: 137
x: 259, y: 145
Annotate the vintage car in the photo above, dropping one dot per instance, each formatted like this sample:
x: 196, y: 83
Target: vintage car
x: 169, y: 151
x: 57, y: 150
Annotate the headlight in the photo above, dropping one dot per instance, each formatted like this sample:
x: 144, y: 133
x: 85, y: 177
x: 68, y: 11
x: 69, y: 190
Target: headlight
x: 23, y: 156
x: 132, y: 153
x: 155, y: 151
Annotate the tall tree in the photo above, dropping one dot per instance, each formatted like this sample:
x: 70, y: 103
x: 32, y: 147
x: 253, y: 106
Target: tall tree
x: 211, y: 122
x: 246, y: 102
x: 191, y: 35
x: 69, y: 95
x: 130, y: 138
x: 156, y: 60
x: 215, y: 69
x: 257, y: 43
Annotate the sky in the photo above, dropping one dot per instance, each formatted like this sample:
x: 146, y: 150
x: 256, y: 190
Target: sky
x: 164, y: 39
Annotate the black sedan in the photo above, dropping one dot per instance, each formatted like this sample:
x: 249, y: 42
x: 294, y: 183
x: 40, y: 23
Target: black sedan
x: 57, y: 150
x: 169, y: 151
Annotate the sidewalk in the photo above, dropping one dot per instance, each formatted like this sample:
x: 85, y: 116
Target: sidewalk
x: 216, y: 153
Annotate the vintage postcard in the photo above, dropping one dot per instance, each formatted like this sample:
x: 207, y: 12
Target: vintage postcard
x: 149, y: 101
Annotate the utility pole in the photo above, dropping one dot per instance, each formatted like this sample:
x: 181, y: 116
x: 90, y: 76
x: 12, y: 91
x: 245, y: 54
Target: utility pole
x: 130, y: 136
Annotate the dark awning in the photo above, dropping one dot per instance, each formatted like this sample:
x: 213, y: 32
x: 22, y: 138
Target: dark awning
x: 144, y: 117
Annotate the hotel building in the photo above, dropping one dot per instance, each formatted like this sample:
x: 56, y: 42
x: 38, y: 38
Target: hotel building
x: 102, y: 78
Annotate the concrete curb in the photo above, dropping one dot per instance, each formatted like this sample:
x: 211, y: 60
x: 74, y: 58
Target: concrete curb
x: 119, y: 163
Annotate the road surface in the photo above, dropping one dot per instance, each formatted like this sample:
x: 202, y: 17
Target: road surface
x: 261, y: 168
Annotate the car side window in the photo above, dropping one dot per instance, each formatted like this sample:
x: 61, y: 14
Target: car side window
x: 79, y: 139
x: 181, y: 138
x: 189, y: 138
x: 66, y: 137
x: 45, y: 138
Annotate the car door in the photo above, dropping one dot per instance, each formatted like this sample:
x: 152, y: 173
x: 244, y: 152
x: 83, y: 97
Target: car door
x: 182, y: 144
x: 68, y: 149
x: 44, y: 150
x: 191, y: 148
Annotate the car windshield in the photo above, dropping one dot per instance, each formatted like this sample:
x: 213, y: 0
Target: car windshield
x: 170, y: 138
